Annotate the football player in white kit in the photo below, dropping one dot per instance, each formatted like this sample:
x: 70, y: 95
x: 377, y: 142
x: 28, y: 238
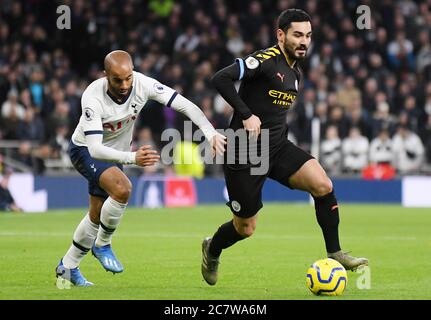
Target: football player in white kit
x: 100, y: 146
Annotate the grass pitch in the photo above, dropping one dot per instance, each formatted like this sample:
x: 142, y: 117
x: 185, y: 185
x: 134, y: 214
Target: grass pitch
x: 161, y: 252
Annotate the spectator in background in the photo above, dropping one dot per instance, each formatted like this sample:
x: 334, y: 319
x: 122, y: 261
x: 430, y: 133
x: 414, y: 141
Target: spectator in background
x: 425, y: 135
x: 412, y: 112
x: 25, y: 98
x: 59, y: 117
x: 234, y: 42
x: 423, y: 60
x: 305, y: 112
x: 371, y: 87
x: 348, y: 94
x: 321, y: 112
x: 72, y: 97
x: 383, y: 119
x: 400, y: 53
x: 187, y: 41
x: 360, y: 119
x: 376, y: 68
x: 11, y: 109
x: 381, y: 151
x: 12, y: 113
x: 327, y: 58
x: 337, y: 118
x: 408, y: 151
x: 31, y: 128
x: 59, y: 144
x: 330, y: 151
x: 7, y: 202
x: 322, y: 89
x: 355, y: 151
x: 36, y: 87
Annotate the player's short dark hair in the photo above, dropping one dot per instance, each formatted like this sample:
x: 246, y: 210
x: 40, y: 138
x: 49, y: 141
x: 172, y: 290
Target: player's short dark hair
x: 288, y: 16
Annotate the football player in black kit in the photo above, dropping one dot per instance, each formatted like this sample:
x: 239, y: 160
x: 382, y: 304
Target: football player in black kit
x: 270, y: 81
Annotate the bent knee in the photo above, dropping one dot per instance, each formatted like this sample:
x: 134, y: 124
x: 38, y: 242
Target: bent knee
x: 245, y: 228
x: 246, y: 231
x: 122, y: 190
x: 322, y: 187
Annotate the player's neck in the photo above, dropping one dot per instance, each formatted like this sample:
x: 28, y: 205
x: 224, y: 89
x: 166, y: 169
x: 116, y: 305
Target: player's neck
x: 290, y: 61
x: 118, y: 99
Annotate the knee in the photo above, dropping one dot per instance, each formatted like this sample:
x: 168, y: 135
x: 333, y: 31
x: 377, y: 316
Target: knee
x: 322, y: 187
x: 246, y: 228
x: 122, y: 191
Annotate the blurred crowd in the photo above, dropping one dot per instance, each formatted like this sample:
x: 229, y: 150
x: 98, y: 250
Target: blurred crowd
x: 370, y: 89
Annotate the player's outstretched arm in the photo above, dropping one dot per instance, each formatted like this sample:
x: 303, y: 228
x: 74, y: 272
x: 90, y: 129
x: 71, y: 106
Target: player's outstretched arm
x: 98, y: 151
x: 172, y: 99
x: 143, y: 157
x: 192, y: 111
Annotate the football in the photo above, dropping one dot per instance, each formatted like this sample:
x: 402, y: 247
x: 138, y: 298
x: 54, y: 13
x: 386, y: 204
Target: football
x: 326, y: 277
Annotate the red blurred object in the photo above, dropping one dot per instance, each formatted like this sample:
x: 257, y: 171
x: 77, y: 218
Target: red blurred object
x: 379, y: 172
x: 180, y: 192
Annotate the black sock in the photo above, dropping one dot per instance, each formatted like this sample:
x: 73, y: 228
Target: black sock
x: 225, y: 236
x: 328, y: 219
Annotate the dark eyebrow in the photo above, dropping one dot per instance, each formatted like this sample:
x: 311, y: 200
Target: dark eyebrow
x: 116, y: 78
x: 301, y: 33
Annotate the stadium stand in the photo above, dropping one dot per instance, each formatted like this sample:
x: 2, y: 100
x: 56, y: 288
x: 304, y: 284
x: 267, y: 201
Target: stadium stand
x: 373, y: 80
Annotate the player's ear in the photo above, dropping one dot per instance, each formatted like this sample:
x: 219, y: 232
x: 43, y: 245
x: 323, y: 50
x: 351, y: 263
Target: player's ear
x: 280, y: 35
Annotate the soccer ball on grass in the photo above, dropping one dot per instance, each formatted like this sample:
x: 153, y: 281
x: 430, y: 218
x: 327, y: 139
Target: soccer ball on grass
x: 326, y: 277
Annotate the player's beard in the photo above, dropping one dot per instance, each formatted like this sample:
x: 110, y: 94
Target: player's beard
x: 291, y: 52
x: 118, y: 93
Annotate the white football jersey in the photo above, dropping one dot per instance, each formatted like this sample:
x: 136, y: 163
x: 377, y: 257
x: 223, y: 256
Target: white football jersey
x: 103, y: 115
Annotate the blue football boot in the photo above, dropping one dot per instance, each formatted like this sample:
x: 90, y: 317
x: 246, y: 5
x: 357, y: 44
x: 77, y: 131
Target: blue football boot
x: 66, y: 276
x: 107, y: 258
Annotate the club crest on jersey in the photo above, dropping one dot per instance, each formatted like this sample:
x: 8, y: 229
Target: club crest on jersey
x: 251, y: 63
x: 89, y: 114
x: 159, y: 88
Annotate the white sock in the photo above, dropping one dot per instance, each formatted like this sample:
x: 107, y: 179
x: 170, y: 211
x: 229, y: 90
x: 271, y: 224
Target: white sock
x: 83, y: 240
x: 110, y: 218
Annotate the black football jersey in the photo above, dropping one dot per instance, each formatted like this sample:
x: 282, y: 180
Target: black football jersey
x: 269, y: 88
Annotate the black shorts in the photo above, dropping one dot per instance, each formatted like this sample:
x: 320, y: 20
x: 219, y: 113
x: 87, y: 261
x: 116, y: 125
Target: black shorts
x: 245, y: 190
